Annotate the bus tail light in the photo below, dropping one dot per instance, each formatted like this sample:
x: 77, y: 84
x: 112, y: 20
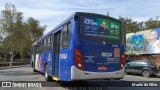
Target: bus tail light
x: 122, y: 61
x: 78, y: 59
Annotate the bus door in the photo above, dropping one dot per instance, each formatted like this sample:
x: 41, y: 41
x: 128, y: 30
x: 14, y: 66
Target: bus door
x: 56, y: 46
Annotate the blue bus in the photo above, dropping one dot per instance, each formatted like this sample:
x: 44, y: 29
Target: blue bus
x: 85, y: 46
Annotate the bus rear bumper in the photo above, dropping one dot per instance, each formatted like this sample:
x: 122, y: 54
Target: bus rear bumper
x: 77, y: 74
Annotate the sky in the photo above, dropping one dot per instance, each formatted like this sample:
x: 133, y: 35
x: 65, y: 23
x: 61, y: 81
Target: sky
x: 53, y: 12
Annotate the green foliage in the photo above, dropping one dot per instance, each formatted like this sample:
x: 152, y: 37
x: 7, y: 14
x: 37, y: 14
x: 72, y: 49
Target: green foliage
x: 131, y: 26
x: 152, y: 23
x: 15, y: 34
x: 33, y: 30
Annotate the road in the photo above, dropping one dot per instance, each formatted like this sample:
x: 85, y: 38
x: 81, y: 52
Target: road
x: 25, y: 73
x: 20, y: 73
x: 140, y: 78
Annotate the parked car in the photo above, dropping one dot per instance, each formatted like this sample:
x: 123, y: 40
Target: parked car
x: 143, y: 67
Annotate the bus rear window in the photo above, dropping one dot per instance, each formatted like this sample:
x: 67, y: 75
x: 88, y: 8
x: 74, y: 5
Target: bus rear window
x: 100, y: 28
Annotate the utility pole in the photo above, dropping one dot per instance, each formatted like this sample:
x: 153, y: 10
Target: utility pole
x: 107, y: 13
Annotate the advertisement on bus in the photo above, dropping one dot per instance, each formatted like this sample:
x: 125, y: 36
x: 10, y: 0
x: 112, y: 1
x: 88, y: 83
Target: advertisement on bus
x: 100, y: 28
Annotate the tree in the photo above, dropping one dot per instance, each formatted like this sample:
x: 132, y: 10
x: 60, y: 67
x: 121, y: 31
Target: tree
x: 32, y: 31
x: 152, y: 23
x: 17, y: 36
x: 130, y: 25
x: 9, y: 23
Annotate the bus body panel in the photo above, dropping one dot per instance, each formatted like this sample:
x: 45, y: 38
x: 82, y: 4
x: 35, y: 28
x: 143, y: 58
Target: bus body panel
x: 64, y: 72
x: 56, y: 65
x: 65, y: 65
x: 95, y: 55
x: 67, y: 58
x: 92, y: 56
x: 86, y: 75
x: 48, y: 60
x: 37, y: 62
x: 41, y: 60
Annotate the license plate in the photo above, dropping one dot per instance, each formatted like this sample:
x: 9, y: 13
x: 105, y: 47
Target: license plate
x: 102, y: 68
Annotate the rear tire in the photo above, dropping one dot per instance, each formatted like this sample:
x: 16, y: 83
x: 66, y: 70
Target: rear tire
x: 145, y: 73
x: 47, y: 77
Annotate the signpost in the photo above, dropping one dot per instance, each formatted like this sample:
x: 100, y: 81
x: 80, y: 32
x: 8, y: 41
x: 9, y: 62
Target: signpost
x: 11, y: 59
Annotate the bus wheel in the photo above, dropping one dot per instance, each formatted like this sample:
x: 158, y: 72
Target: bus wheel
x: 47, y: 77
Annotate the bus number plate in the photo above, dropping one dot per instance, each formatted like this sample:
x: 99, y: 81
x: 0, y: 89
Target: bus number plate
x: 102, y: 68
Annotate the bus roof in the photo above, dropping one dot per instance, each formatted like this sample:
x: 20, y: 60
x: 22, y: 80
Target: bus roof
x: 71, y: 16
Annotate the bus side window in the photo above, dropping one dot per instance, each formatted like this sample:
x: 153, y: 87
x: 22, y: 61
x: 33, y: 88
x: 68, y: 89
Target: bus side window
x: 48, y: 42
x: 66, y: 35
x: 41, y: 46
x: 48, y: 39
x: 37, y: 48
x: 45, y: 41
x: 45, y: 44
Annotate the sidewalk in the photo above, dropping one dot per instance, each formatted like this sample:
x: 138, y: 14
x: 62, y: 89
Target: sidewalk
x: 16, y: 66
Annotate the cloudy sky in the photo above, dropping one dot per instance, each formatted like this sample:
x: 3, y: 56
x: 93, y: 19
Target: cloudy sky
x: 53, y: 12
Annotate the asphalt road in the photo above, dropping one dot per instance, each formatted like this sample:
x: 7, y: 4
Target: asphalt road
x: 25, y: 73
x: 20, y: 73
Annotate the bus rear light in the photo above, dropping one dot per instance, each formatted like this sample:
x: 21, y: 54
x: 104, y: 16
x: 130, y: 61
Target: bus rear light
x: 122, y: 61
x: 78, y: 59
x: 122, y: 65
x: 79, y: 65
